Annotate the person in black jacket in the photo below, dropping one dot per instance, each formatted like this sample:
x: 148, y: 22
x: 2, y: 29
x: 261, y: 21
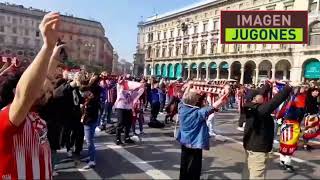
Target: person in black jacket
x: 259, y: 130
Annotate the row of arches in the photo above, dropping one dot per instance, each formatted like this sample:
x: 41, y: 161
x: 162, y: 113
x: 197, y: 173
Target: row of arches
x: 247, y: 72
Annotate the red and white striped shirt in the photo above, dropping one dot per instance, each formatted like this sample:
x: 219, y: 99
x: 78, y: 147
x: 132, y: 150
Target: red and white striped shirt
x: 24, y: 150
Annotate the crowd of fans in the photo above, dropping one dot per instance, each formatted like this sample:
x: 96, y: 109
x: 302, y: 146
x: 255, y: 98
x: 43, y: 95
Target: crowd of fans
x: 46, y: 107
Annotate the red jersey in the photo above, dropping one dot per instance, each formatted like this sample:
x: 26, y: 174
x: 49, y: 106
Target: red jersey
x: 171, y: 90
x: 24, y: 150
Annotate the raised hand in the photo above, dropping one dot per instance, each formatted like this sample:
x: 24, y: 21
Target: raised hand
x: 48, y: 28
x: 56, y: 54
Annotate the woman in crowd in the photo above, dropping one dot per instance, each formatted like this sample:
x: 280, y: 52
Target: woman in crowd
x: 90, y: 114
x: 194, y: 134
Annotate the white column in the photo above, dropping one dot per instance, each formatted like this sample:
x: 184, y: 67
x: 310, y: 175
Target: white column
x: 296, y: 73
x: 285, y: 74
x: 273, y: 73
x: 257, y: 76
x: 189, y: 72
x: 229, y: 73
x: 317, y: 10
x: 242, y: 75
x: 218, y: 73
x: 207, y: 73
x: 152, y: 70
x: 145, y: 70
x: 198, y: 72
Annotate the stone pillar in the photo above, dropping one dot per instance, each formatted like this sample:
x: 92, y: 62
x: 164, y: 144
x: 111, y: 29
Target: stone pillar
x: 273, y: 73
x: 152, y: 70
x: 317, y: 10
x: 207, y: 73
x: 189, y: 72
x: 218, y: 73
x: 145, y: 70
x: 296, y: 73
x: 285, y: 74
x: 198, y: 72
x: 257, y: 77
x: 229, y: 73
x: 242, y: 75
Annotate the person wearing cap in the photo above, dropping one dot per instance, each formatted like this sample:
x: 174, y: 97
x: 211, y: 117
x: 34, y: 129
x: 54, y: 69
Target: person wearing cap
x: 259, y: 130
x: 193, y: 133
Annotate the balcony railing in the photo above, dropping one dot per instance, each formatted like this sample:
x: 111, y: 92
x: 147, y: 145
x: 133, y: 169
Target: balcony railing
x: 215, y: 31
x: 204, y: 33
x: 195, y: 35
x: 186, y: 37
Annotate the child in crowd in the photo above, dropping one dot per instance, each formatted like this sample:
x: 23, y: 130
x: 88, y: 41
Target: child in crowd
x: 137, y: 115
x: 193, y: 133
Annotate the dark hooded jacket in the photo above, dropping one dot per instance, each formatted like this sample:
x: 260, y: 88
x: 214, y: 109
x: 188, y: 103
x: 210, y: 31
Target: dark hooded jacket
x: 259, y: 128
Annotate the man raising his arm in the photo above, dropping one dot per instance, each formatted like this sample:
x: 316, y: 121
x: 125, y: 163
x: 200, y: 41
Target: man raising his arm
x: 24, y: 148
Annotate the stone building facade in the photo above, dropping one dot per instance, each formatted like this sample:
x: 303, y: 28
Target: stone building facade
x: 20, y: 36
x: 197, y: 53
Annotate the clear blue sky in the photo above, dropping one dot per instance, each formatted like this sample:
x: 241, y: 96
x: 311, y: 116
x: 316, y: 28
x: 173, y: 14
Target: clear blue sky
x: 119, y: 17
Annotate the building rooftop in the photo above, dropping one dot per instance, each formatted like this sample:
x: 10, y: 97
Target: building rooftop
x: 182, y: 10
x: 44, y: 11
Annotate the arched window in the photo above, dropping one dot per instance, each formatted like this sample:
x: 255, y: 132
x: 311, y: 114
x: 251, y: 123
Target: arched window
x: 314, y: 34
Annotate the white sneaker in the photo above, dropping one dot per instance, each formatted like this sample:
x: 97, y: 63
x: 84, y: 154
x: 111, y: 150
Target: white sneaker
x: 240, y: 129
x: 220, y: 138
x: 54, y: 173
x: 90, y: 165
x: 69, y: 154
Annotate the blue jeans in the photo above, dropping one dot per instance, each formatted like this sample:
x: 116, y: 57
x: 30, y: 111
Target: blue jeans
x: 106, y: 113
x: 89, y: 130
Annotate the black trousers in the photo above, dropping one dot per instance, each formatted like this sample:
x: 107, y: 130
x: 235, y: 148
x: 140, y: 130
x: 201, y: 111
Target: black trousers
x: 242, y: 119
x: 124, y: 122
x: 155, y: 108
x: 191, y: 163
x: 73, y: 136
x: 77, y: 137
